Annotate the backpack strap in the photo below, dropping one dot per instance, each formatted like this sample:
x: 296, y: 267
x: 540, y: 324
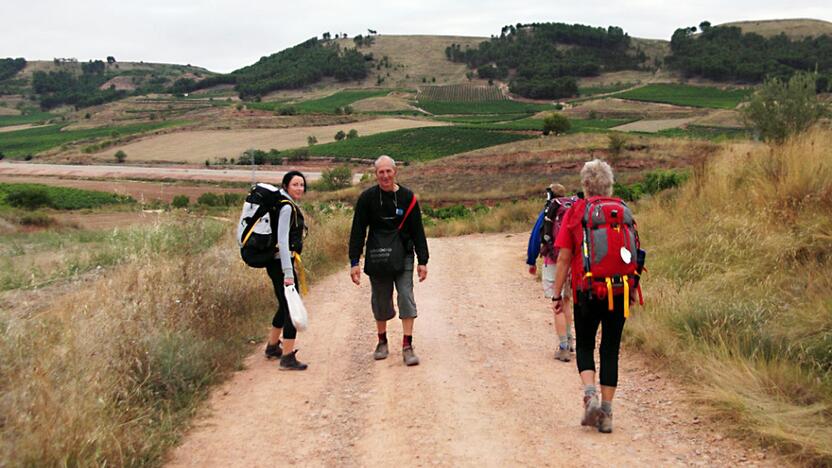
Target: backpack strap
x: 407, y: 213
x: 261, y: 211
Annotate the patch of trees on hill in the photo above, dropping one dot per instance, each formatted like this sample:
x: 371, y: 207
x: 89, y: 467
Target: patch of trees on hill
x: 63, y: 87
x: 543, y: 59
x: 724, y: 53
x: 296, y: 67
x: 9, y: 67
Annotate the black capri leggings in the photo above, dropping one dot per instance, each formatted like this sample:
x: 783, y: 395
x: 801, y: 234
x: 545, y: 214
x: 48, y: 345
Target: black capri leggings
x: 281, y: 317
x: 586, y: 327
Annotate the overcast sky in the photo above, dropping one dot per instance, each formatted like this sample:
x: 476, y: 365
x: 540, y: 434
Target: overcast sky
x: 223, y: 35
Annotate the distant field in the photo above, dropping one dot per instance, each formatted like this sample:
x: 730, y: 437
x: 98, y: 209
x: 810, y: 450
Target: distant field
x: 578, y: 125
x: 684, y: 95
x: 198, y: 146
x: 706, y: 133
x: 9, y: 120
x: 487, y: 107
x: 419, y: 144
x: 63, y: 198
x: 326, y: 105
x: 34, y: 140
x: 461, y: 92
x: 595, y: 90
x: 477, y: 119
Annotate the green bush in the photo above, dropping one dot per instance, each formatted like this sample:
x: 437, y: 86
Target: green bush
x: 27, y: 197
x: 340, y: 135
x: 556, y: 123
x: 120, y: 156
x: 209, y: 199
x: 616, y: 142
x: 353, y: 133
x: 336, y: 178
x: 180, y: 201
x: 782, y: 109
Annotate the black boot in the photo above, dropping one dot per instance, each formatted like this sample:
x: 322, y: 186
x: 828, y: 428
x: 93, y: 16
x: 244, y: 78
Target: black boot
x: 274, y: 351
x: 290, y: 362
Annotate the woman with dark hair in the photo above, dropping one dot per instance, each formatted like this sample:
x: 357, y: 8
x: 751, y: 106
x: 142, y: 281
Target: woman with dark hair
x: 290, y: 233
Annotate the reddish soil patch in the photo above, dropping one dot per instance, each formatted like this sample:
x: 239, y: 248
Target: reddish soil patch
x: 141, y: 191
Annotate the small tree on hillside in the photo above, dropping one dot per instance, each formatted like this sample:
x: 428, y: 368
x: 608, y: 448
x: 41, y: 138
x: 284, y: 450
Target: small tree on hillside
x: 616, y: 144
x: 337, y: 178
x: 556, y: 123
x: 311, y: 140
x: 353, y: 133
x: 340, y: 135
x: 781, y: 109
x: 120, y: 156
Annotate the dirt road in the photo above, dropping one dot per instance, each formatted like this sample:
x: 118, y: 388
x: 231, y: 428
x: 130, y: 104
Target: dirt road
x: 487, y: 392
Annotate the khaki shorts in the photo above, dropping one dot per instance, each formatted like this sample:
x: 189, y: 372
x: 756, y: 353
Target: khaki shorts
x: 548, y: 280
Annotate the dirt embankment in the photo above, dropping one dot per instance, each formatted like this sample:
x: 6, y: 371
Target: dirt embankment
x: 487, y: 392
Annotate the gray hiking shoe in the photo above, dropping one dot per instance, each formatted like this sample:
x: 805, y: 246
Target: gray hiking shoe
x: 290, y: 362
x: 571, y: 345
x: 605, y: 422
x: 592, y: 411
x: 562, y: 354
x: 409, y: 356
x: 274, y: 351
x: 380, y: 352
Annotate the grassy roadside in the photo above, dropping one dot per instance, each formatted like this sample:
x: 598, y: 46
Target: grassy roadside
x: 736, y: 301
x: 111, y: 373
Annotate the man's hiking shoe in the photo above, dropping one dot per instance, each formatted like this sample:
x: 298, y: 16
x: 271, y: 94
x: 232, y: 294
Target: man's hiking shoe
x: 572, y: 345
x: 562, y: 354
x: 273, y: 351
x: 380, y: 352
x: 409, y: 356
x: 290, y: 362
x: 592, y: 411
x: 605, y: 422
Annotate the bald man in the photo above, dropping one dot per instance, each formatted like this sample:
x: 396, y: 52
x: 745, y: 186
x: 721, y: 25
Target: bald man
x: 387, y: 206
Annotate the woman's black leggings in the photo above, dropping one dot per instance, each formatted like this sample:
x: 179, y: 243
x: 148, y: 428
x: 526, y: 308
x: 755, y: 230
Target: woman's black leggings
x: 281, y: 317
x: 587, y: 320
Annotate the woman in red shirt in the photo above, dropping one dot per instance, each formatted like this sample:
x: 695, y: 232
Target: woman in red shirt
x: 590, y: 312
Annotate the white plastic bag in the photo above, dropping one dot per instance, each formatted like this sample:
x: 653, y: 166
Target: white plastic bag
x: 297, y: 311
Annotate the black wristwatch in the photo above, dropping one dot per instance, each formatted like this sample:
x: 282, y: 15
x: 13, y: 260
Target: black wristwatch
x: 559, y: 298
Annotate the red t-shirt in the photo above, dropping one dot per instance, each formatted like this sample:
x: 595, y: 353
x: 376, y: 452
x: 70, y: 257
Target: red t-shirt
x: 570, y: 237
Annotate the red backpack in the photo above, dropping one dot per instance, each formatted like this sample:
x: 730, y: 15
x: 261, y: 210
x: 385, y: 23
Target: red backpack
x: 612, y: 255
x: 555, y: 211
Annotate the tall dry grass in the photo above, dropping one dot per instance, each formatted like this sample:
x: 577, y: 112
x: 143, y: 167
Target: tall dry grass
x: 110, y: 374
x: 509, y: 217
x: 739, y: 292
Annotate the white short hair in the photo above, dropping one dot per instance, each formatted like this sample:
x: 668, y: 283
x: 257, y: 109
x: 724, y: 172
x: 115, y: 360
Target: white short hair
x: 384, y: 158
x: 597, y: 178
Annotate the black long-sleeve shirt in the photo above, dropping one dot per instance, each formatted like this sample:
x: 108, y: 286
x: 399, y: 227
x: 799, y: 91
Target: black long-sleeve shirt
x: 378, y: 209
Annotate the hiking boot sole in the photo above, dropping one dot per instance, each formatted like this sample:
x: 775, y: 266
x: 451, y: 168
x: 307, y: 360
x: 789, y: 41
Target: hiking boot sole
x: 592, y: 414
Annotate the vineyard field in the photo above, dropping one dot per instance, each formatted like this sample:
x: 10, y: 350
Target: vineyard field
x: 461, y: 93
x: 417, y: 144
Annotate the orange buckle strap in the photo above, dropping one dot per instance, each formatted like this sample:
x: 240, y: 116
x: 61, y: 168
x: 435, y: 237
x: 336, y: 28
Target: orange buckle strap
x: 626, y: 297
x: 609, y: 293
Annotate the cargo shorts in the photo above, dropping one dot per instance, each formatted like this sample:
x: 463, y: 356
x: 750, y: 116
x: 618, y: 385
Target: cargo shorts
x: 382, y: 294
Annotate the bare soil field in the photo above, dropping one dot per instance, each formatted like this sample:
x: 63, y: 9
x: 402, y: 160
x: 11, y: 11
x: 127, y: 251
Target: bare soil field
x: 14, y: 128
x: 382, y: 104
x: 621, y: 108
x: 142, y: 191
x: 793, y: 28
x: 721, y: 118
x: 653, y: 126
x: 102, y: 221
x: 198, y: 146
x: 8, y: 111
x: 478, y: 398
x: 118, y: 173
x: 417, y: 57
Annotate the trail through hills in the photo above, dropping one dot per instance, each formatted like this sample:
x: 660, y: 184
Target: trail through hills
x: 487, y: 392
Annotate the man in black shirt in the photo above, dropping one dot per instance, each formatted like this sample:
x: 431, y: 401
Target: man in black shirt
x: 384, y: 207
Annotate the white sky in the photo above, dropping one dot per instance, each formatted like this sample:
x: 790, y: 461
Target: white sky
x: 224, y: 35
